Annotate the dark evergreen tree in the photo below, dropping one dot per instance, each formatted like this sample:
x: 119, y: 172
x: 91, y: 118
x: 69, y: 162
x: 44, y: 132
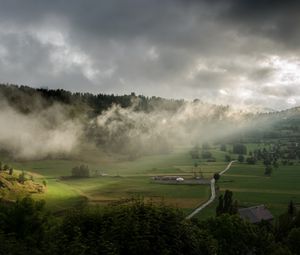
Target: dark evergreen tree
x: 268, y: 170
x: 240, y: 149
x: 241, y: 158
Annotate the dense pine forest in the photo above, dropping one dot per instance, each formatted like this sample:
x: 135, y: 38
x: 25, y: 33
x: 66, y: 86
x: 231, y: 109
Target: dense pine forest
x: 140, y: 228
x: 26, y: 99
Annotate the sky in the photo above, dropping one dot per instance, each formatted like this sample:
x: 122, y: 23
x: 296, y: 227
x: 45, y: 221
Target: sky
x: 237, y: 52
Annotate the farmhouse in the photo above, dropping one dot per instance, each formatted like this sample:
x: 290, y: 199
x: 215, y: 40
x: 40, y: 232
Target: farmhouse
x: 166, y: 178
x: 255, y: 214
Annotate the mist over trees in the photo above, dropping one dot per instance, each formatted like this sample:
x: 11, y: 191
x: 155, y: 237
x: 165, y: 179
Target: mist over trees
x: 130, y: 125
x: 26, y: 99
x: 239, y: 149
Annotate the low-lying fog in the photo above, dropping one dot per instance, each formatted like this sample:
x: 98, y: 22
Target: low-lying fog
x: 52, y: 132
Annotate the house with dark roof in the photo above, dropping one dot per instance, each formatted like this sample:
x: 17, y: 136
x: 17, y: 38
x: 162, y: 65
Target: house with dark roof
x: 255, y: 214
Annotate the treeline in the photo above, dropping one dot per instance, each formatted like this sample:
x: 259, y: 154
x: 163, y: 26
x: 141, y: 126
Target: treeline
x: 205, y: 153
x: 83, y: 171
x: 140, y: 228
x: 272, y: 156
x: 26, y: 99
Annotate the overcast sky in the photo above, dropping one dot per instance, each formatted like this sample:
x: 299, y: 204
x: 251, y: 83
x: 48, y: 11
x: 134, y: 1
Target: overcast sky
x: 231, y: 52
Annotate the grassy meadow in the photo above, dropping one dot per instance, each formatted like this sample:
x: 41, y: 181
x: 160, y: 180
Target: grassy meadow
x: 251, y: 187
x: 126, y: 179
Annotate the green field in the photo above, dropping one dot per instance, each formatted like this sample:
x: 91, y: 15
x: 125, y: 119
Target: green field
x: 125, y: 179
x: 130, y: 179
x: 251, y: 187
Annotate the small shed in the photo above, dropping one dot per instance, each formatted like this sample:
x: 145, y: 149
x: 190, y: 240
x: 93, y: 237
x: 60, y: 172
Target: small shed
x: 255, y: 214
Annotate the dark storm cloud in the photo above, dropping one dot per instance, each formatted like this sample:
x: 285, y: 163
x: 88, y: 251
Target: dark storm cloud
x: 222, y: 51
x: 276, y: 19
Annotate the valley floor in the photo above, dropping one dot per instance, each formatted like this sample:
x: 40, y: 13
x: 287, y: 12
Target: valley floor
x: 123, y: 179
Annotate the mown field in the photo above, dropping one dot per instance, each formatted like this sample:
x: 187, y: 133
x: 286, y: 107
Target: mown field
x: 125, y: 179
x: 132, y: 179
x: 251, y: 187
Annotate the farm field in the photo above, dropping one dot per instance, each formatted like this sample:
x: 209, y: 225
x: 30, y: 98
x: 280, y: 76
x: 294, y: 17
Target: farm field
x: 123, y: 179
x: 251, y: 187
x: 132, y: 179
x: 274, y: 192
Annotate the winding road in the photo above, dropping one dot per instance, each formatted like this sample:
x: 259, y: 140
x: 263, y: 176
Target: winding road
x: 213, y: 193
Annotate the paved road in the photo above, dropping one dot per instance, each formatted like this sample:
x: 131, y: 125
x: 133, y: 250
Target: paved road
x: 213, y: 193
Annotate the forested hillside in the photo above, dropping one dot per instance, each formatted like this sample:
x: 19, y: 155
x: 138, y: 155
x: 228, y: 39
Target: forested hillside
x: 128, y: 124
x: 27, y: 99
